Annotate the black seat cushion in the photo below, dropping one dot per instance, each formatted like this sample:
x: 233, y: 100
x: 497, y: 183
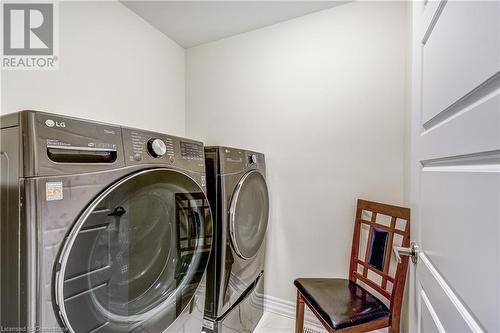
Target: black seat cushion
x: 340, y: 302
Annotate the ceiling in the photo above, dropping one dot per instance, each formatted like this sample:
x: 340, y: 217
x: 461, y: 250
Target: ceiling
x: 192, y: 23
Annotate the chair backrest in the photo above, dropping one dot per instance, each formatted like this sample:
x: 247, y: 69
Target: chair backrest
x: 379, y: 227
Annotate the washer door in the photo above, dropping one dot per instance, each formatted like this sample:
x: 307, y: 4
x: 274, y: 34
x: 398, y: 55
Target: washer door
x: 248, y: 214
x: 135, y: 257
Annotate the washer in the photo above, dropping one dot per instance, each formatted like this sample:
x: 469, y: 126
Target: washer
x: 238, y: 194
x: 104, y: 228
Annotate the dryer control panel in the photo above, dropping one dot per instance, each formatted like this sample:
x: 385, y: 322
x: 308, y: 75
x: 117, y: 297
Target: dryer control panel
x: 238, y: 160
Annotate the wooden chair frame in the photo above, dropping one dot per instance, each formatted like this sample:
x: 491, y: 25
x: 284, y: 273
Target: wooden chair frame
x: 395, y: 294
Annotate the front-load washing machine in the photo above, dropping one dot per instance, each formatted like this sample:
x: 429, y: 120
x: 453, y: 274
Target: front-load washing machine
x: 239, y: 198
x: 103, y: 228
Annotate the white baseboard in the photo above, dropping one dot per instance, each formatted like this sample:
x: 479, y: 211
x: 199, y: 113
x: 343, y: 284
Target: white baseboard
x: 286, y: 308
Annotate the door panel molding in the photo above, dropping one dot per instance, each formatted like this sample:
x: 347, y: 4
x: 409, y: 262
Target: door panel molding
x: 494, y: 168
x: 460, y: 55
x: 459, y: 235
x: 431, y: 312
x: 432, y: 281
x: 487, y: 90
x: 432, y: 11
x: 474, y: 128
x: 486, y: 161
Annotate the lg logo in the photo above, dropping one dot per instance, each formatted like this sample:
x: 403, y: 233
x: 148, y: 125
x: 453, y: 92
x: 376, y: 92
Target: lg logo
x: 51, y: 123
x: 28, y: 29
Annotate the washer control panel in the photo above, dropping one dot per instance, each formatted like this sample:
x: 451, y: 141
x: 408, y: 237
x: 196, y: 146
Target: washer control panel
x: 143, y: 147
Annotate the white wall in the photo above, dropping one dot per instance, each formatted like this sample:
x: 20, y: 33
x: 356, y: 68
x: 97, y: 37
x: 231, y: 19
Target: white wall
x: 114, y: 67
x: 323, y: 96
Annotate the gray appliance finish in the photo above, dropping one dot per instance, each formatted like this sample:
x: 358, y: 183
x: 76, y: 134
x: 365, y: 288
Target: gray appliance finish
x: 103, y: 228
x: 239, y: 198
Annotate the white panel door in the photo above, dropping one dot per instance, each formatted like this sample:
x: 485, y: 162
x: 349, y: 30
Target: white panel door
x: 455, y: 284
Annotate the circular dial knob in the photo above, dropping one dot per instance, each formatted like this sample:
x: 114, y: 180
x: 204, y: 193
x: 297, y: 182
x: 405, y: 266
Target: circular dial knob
x: 253, y: 159
x: 156, y: 147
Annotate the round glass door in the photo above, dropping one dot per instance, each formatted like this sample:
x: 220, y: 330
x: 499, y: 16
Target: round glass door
x: 248, y: 214
x: 136, y: 256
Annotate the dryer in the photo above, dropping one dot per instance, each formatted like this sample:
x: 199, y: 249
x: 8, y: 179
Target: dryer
x: 103, y: 228
x: 238, y: 194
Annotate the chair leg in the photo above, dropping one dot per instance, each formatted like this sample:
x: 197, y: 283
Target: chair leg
x: 299, y: 314
x: 395, y: 323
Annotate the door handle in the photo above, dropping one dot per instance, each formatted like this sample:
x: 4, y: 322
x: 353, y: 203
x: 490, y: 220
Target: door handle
x: 411, y: 251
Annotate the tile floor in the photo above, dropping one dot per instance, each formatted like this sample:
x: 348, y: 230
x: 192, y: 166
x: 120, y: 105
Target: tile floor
x: 273, y: 323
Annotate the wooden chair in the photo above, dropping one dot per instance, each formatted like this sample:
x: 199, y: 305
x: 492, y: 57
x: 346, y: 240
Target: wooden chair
x: 355, y: 304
